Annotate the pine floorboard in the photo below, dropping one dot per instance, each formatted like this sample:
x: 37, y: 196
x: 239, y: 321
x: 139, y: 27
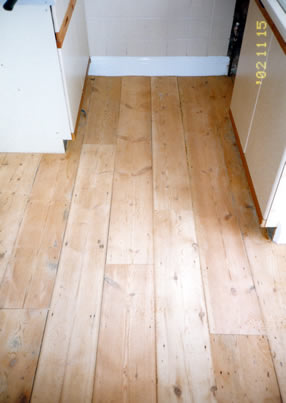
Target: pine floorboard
x: 184, y: 365
x: 130, y: 233
x: 225, y: 266
x: 266, y: 259
x: 17, y: 174
x: 133, y: 268
x: 124, y: 372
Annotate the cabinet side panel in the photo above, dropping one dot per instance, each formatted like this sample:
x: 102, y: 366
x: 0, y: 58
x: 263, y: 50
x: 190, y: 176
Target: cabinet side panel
x: 245, y: 89
x: 59, y: 11
x: 33, y: 115
x: 265, y: 153
x: 277, y: 212
x: 74, y: 57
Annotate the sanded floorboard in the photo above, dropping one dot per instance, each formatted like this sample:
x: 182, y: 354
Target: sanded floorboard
x: 171, y: 183
x: 125, y: 368
x: 226, y: 271
x: 267, y: 260
x: 244, y: 369
x: 73, y: 322
x: 184, y: 365
x: 17, y: 174
x: 131, y: 226
x: 12, y: 208
x: 103, y: 111
x: 21, y: 333
x: 192, y: 366
x: 31, y: 271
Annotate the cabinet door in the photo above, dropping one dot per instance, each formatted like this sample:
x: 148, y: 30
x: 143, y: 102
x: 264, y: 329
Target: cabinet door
x: 246, y: 90
x: 33, y: 113
x: 265, y: 153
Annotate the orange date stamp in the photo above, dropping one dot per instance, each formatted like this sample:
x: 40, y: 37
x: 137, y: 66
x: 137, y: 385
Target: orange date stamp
x: 261, y: 51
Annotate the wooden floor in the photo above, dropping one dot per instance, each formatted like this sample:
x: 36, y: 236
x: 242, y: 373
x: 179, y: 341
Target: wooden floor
x: 133, y: 269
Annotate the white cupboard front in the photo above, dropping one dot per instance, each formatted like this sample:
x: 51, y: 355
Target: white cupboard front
x: 40, y: 85
x: 259, y: 115
x: 266, y: 149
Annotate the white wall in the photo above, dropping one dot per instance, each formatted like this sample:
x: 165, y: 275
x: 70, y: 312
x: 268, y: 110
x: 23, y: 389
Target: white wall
x: 159, y: 27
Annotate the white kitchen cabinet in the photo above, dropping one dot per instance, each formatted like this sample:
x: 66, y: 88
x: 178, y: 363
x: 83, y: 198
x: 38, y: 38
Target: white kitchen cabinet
x: 245, y: 92
x: 259, y: 116
x: 266, y: 149
x: 40, y: 85
x: 73, y: 56
x: 59, y: 9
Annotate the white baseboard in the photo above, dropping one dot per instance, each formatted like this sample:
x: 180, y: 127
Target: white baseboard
x: 159, y: 66
x: 280, y: 234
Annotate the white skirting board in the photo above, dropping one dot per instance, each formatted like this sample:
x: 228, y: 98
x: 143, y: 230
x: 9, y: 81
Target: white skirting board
x: 280, y: 234
x: 159, y: 66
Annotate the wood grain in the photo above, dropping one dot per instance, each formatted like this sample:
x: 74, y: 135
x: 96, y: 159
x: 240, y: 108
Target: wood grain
x: 73, y: 322
x: 103, y: 112
x: 37, y: 250
x: 31, y: 271
x: 154, y: 341
x: 131, y: 226
x: 183, y: 347
x: 125, y: 368
x: 21, y: 334
x: 267, y: 260
x: 171, y: 183
x: 244, y: 369
x: 227, y: 276
x: 12, y: 207
x: 17, y: 174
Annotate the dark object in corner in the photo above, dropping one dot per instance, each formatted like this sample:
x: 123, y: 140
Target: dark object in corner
x: 239, y: 20
x: 270, y: 232
x: 9, y: 5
